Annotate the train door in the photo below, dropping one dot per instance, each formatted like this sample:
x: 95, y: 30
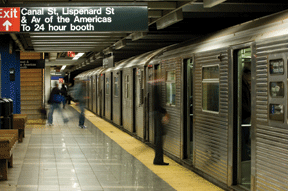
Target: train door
x: 121, y: 97
x: 134, y: 100
x: 149, y: 76
x: 94, y: 84
x: 99, y: 92
x: 155, y: 81
x: 103, y: 95
x: 87, y: 94
x: 242, y: 117
x: 188, y: 108
x: 90, y: 93
x: 111, y: 97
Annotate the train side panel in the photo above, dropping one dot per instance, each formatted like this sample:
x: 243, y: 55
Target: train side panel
x: 211, y: 122
x: 271, y: 132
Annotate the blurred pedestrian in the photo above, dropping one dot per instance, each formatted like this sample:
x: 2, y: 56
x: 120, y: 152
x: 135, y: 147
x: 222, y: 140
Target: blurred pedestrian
x: 161, y: 117
x: 79, y: 92
x: 64, y: 94
x: 69, y: 98
x: 54, y: 100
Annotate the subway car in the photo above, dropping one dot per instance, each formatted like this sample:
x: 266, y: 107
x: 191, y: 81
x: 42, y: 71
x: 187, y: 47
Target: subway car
x: 226, y: 94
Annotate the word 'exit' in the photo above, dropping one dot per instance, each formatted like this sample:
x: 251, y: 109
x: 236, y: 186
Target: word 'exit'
x: 9, y: 14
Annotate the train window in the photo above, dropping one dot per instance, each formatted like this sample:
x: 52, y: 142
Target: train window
x: 211, y: 72
x: 116, y: 89
x: 170, y: 87
x: 127, y: 86
x: 107, y: 86
x: 210, y: 88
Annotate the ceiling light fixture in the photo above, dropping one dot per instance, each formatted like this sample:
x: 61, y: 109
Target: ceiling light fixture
x: 78, y: 56
x: 63, y: 67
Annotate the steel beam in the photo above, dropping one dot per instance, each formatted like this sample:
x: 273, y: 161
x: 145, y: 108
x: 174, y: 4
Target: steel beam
x: 169, y: 20
x: 155, y: 14
x: 212, y: 3
x: 197, y: 7
x: 162, y: 5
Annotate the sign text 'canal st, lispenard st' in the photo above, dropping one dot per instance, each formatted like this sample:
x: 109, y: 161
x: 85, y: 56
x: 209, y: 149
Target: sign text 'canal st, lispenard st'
x: 84, y: 19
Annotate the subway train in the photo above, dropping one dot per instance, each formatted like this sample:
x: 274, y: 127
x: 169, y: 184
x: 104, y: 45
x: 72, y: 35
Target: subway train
x: 226, y: 94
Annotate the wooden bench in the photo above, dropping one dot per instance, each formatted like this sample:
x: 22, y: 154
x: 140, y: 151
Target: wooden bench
x: 19, y: 122
x: 8, y: 142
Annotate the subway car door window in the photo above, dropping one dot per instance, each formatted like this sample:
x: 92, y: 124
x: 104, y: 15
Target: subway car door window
x: 107, y: 86
x: 210, y: 88
x: 170, y: 87
x: 116, y: 89
x: 127, y: 86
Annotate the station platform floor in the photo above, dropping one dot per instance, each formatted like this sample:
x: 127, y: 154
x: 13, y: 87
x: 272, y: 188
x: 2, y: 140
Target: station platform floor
x: 64, y: 157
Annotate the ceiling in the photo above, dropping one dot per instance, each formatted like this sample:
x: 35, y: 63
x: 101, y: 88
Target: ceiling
x: 197, y: 21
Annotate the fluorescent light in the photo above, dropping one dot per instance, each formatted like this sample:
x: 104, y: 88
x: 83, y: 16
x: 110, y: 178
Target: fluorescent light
x: 78, y: 56
x: 63, y: 67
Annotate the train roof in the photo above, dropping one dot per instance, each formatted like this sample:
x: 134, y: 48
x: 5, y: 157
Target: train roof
x: 82, y: 75
x: 140, y: 60
x: 258, y: 29
x: 95, y: 71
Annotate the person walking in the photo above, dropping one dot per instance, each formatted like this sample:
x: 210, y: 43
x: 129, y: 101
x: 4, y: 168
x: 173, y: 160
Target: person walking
x: 79, y: 95
x: 54, y: 100
x: 69, y: 98
x: 161, y: 117
x: 64, y: 94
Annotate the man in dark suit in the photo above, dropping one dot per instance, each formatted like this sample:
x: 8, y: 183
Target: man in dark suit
x: 161, y: 117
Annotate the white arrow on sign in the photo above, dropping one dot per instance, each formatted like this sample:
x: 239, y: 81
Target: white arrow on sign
x: 7, y: 24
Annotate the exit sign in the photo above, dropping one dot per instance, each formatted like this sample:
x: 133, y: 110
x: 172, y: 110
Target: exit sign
x: 71, y: 54
x: 10, y: 19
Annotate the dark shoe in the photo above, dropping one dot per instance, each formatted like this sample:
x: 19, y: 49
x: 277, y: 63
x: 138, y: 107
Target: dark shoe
x: 164, y: 163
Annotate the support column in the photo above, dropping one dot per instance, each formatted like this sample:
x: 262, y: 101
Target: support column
x: 47, y: 83
x: 10, y: 59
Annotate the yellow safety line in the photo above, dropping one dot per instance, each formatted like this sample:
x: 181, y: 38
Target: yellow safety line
x: 175, y: 175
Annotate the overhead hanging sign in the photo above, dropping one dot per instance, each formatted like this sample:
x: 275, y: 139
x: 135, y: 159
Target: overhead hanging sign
x: 73, y: 19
